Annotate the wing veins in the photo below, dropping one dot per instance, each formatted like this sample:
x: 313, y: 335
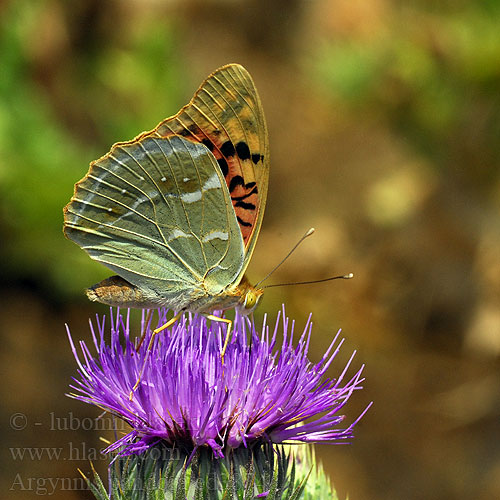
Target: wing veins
x: 89, y: 190
x: 139, y: 237
x: 202, y: 113
x: 177, y: 185
x: 152, y: 180
x: 250, y: 104
x: 179, y: 279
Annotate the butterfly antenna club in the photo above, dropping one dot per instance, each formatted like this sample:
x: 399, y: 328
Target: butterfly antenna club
x: 343, y: 277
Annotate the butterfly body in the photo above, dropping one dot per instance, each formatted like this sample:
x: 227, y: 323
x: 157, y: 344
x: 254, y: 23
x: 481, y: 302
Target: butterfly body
x: 117, y: 292
x: 176, y: 212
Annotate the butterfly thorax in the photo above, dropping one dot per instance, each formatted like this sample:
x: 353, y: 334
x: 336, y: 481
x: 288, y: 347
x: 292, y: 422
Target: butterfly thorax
x: 244, y: 297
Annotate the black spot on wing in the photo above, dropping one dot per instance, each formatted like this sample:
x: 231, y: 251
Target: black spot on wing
x: 194, y: 129
x: 242, y: 222
x: 227, y: 149
x: 209, y: 144
x: 244, y: 205
x: 256, y: 157
x: 236, y: 181
x: 242, y: 150
x: 223, y: 166
x: 241, y: 198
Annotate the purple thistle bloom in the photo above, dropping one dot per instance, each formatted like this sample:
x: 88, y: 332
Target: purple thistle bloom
x: 187, y: 398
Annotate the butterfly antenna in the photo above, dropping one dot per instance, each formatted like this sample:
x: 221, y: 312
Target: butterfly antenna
x: 344, y: 277
x: 306, y: 235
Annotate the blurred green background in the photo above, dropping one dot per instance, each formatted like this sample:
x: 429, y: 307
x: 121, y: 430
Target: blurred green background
x: 384, y: 123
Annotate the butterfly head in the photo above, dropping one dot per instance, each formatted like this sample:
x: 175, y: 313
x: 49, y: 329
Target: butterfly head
x: 249, y: 297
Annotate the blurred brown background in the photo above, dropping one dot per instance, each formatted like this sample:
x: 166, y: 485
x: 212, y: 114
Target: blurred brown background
x: 384, y: 122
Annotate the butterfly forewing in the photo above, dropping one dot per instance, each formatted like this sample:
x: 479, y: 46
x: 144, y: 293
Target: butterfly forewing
x: 226, y: 116
x: 157, y: 212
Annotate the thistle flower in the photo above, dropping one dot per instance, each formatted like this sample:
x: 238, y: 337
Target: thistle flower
x: 188, y: 398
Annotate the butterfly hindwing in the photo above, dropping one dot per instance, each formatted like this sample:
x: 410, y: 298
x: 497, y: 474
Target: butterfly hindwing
x: 157, y: 212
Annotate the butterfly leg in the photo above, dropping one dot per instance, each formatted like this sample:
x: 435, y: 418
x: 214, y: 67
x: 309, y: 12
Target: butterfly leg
x: 169, y: 323
x: 155, y: 333
x: 143, y: 336
x: 228, y: 333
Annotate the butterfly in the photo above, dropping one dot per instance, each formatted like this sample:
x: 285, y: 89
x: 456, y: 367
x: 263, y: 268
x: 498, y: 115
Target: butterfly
x: 176, y: 212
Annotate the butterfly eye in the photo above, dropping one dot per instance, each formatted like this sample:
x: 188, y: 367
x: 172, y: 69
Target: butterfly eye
x: 252, y: 298
x: 250, y: 301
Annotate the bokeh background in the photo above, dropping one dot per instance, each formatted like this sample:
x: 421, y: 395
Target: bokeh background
x: 384, y: 123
